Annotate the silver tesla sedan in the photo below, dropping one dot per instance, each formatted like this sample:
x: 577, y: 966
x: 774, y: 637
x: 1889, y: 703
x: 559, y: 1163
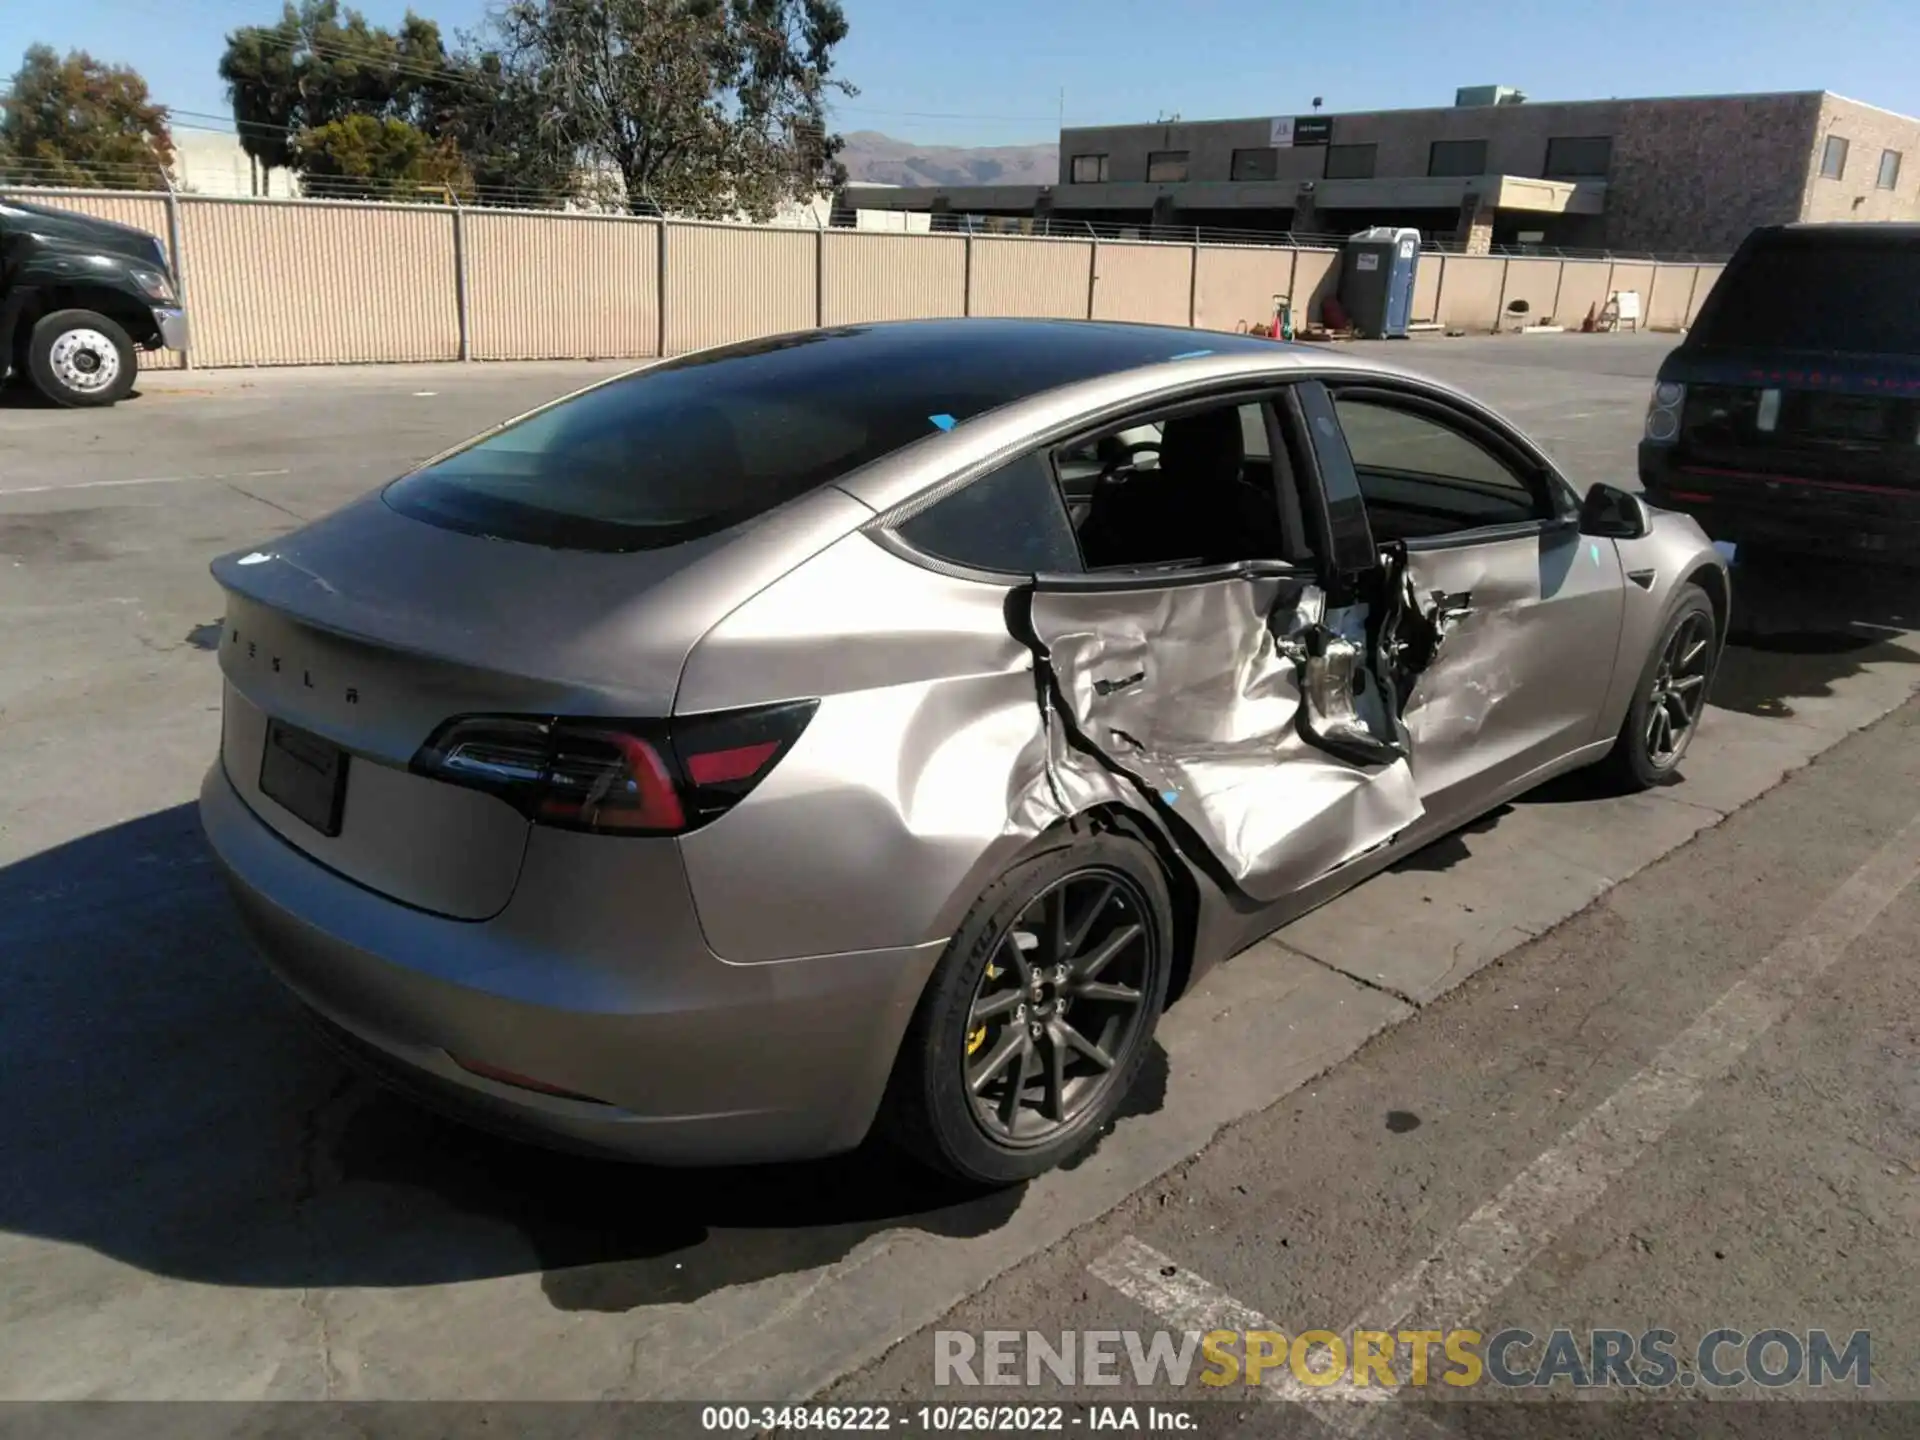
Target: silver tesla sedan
x: 878, y: 726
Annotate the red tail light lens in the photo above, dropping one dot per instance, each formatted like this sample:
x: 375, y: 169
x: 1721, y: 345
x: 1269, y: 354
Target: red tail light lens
x: 609, y: 780
x: 616, y: 777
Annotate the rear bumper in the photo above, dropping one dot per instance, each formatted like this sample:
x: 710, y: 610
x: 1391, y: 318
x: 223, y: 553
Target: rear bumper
x: 600, y: 989
x: 1828, y: 515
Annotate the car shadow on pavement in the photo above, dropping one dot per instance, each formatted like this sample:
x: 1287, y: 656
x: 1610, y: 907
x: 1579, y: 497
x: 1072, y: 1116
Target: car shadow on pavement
x: 17, y: 394
x: 1802, y: 625
x: 169, y: 1107
x: 1452, y: 848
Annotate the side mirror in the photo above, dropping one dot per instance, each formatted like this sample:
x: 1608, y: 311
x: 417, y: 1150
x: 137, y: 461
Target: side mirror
x: 1614, y: 514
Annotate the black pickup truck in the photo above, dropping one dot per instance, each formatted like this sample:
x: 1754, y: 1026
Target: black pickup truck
x: 77, y: 297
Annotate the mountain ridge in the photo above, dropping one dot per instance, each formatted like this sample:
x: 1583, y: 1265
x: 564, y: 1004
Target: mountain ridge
x: 880, y: 159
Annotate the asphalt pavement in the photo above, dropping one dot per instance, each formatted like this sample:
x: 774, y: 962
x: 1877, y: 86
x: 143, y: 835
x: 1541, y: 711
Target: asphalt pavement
x: 1695, y: 1106
x: 199, y: 1203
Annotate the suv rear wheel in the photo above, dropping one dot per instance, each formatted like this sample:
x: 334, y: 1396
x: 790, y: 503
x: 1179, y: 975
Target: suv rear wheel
x: 79, y: 357
x: 1039, y: 1016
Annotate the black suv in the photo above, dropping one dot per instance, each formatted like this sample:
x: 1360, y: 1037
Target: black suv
x: 1789, y: 418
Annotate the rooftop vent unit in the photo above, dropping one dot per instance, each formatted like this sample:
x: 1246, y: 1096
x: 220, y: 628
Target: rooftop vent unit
x: 1488, y: 95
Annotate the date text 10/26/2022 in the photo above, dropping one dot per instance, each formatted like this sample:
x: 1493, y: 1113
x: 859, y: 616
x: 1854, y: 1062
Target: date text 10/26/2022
x: 938, y: 1419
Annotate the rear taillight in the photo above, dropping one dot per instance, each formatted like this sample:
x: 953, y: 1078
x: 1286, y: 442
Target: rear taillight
x: 616, y: 777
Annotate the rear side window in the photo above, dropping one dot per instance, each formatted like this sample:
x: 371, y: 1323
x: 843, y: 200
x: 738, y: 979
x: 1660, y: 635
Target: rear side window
x: 1796, y: 293
x: 1011, y: 520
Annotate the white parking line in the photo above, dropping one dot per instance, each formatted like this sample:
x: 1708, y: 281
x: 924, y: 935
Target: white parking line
x: 1498, y: 1241
x: 140, y: 480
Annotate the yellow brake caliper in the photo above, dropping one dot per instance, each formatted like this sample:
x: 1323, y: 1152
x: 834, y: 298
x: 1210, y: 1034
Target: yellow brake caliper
x: 979, y: 1037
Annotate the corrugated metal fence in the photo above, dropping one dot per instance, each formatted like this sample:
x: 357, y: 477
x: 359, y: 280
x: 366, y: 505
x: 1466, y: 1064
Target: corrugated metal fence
x: 292, y: 282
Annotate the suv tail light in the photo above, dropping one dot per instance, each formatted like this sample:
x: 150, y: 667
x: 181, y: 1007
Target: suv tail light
x: 616, y: 777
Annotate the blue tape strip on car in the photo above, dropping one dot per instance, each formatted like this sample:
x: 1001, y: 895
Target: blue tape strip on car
x: 1190, y: 354
x: 942, y: 422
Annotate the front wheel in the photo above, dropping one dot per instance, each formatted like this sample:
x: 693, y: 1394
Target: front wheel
x: 1038, y: 1018
x: 1671, y: 697
x: 80, y: 358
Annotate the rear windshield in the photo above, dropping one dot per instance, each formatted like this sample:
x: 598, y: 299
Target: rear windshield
x: 694, y: 446
x: 1796, y: 293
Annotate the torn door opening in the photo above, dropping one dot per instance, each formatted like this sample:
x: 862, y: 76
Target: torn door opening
x: 1242, y: 707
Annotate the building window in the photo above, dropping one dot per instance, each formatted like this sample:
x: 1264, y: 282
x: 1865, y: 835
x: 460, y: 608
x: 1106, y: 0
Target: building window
x: 1579, y: 157
x: 1889, y: 170
x: 1351, y: 162
x: 1457, y: 157
x: 1166, y: 165
x: 1260, y: 164
x: 1833, y: 158
x: 1089, y: 169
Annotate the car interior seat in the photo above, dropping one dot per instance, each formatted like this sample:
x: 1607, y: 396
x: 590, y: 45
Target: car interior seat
x: 1197, y: 505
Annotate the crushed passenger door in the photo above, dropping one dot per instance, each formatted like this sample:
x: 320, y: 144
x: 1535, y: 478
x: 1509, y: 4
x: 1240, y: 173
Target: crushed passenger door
x: 1249, y: 712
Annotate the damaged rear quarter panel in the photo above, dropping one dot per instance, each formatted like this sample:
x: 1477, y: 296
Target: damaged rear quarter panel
x: 920, y: 778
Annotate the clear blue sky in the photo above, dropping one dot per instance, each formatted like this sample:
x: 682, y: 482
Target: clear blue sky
x: 982, y: 72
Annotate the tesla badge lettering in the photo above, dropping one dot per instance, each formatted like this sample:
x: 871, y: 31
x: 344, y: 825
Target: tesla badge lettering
x: 277, y: 664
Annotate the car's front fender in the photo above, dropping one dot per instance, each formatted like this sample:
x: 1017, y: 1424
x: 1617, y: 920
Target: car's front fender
x: 1655, y: 568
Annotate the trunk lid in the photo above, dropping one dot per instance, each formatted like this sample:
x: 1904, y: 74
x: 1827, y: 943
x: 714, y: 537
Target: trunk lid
x: 368, y: 630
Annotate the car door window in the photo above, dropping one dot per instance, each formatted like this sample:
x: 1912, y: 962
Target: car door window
x: 1198, y: 486
x: 1425, y: 474
x: 1009, y: 520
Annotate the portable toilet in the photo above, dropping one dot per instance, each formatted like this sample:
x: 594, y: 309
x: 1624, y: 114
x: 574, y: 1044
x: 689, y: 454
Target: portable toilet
x: 1376, y: 281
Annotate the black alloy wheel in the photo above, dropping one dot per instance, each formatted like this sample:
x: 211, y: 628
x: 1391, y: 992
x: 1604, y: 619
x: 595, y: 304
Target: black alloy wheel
x: 1679, y: 691
x: 1671, y: 697
x: 1059, y: 1000
x: 1039, y: 1016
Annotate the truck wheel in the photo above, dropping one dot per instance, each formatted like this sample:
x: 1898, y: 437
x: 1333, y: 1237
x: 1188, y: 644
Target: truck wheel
x: 78, y: 357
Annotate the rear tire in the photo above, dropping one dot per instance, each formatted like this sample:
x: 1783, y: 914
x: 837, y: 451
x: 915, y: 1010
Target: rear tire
x: 80, y: 358
x: 1108, y: 893
x: 1676, y: 679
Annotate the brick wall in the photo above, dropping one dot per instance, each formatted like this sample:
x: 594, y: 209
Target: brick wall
x: 1697, y: 175
x: 1856, y: 194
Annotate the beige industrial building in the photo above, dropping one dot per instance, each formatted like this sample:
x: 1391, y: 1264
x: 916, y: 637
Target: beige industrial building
x: 1688, y: 176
